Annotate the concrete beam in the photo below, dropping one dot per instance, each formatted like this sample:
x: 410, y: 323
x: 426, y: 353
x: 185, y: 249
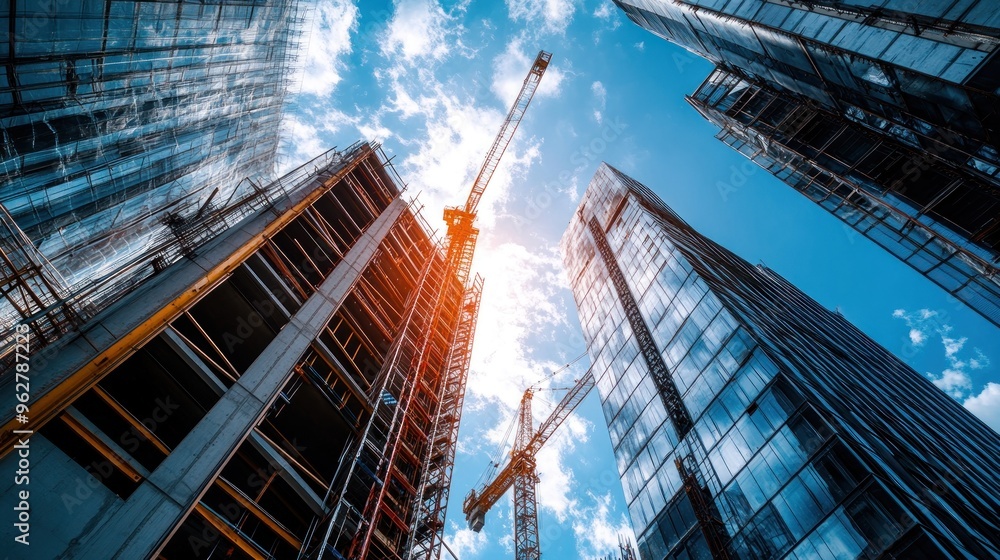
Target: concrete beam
x: 64, y: 371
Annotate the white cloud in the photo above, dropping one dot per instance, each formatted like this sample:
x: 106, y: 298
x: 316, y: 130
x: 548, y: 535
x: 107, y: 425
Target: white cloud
x: 447, y: 158
x: 306, y: 134
x: 955, y: 382
x: 640, y: 46
x: 518, y: 308
x: 598, y: 530
x: 419, y: 29
x: 918, y: 324
x: 507, y: 542
x: 980, y: 361
x: 329, y: 41
x: 572, y: 190
x: 954, y: 379
x: 555, y: 476
x: 303, y: 139
x: 402, y: 102
x: 454, y: 134
x: 372, y: 130
x: 952, y: 346
x: 606, y: 13
x: 555, y: 15
x: 600, y: 98
x: 510, y: 68
x: 986, y: 405
x: 465, y: 541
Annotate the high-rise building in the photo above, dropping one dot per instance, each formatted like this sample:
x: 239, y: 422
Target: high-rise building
x: 885, y: 114
x: 750, y: 422
x: 291, y: 388
x: 125, y: 122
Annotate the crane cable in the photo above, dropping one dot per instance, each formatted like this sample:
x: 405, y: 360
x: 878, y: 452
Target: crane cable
x: 537, y: 384
x: 495, y: 459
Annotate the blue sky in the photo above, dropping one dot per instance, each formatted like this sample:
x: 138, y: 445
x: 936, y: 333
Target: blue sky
x: 433, y: 80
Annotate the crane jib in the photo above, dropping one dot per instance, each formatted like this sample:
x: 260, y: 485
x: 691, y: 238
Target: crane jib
x: 507, y: 130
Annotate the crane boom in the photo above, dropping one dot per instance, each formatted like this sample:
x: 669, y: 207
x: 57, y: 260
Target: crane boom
x: 462, y: 233
x: 520, y: 470
x: 507, y: 130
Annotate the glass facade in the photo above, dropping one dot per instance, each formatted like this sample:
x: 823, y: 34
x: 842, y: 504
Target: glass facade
x: 762, y: 425
x: 115, y: 113
x: 940, y: 219
x: 884, y: 114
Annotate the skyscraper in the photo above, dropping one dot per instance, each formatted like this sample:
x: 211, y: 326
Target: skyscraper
x: 885, y: 114
x: 123, y: 123
x: 750, y: 422
x: 292, y: 388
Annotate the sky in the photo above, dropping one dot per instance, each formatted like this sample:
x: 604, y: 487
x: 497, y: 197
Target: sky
x: 432, y: 81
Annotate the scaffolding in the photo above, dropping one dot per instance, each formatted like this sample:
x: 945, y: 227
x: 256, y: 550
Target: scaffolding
x: 35, y: 294
x: 396, y: 485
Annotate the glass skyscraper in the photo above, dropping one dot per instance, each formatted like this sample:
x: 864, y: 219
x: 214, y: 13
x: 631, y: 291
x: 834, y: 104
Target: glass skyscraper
x: 750, y: 422
x: 885, y: 114
x: 116, y: 113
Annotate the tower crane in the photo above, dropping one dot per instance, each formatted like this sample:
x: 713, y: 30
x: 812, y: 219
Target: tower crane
x: 519, y: 472
x: 430, y: 500
x: 460, y: 220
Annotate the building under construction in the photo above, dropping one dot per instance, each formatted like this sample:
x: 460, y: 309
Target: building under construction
x: 220, y: 365
x: 302, y: 377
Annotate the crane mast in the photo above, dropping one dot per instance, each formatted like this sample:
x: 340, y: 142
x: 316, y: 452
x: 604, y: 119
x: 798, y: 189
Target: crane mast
x: 519, y: 472
x: 525, y: 484
x: 431, y: 493
x: 461, y: 242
